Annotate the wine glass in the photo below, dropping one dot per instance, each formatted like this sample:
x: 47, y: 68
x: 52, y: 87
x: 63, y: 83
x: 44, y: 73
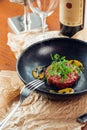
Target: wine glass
x: 26, y: 19
x: 43, y: 8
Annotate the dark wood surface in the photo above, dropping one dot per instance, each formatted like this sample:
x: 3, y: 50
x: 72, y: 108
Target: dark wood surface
x: 9, y: 9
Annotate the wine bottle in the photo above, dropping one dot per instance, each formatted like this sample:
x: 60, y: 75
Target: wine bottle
x: 71, y: 16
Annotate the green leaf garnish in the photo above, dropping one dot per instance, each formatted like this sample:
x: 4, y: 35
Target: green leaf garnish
x: 61, y: 67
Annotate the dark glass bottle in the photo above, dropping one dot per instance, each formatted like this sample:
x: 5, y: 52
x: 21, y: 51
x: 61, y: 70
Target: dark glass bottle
x: 71, y: 16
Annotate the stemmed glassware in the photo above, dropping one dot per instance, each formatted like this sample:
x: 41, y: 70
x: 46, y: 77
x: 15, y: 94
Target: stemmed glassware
x: 43, y: 8
x: 26, y: 16
x: 26, y: 19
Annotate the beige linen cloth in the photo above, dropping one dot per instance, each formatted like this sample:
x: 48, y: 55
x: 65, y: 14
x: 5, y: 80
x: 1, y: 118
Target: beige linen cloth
x: 37, y: 112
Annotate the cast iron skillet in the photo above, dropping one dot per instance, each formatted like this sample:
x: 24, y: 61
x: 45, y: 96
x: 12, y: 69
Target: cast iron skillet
x: 38, y: 54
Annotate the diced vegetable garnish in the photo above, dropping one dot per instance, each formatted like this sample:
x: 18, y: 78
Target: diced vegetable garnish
x: 66, y: 91
x: 38, y: 73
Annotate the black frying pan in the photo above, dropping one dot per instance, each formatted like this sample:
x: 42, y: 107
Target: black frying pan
x: 39, y: 54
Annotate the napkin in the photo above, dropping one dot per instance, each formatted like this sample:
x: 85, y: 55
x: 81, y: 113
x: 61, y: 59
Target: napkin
x: 21, y: 41
x: 82, y: 35
x: 10, y: 86
x: 37, y: 112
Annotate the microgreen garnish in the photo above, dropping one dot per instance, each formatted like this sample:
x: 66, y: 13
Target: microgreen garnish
x: 61, y: 67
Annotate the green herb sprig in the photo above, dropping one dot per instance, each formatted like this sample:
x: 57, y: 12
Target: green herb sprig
x: 60, y: 67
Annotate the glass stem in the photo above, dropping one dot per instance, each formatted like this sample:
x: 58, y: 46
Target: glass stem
x: 26, y: 17
x: 43, y: 18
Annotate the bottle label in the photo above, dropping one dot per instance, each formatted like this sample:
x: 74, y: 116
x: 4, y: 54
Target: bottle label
x: 71, y: 12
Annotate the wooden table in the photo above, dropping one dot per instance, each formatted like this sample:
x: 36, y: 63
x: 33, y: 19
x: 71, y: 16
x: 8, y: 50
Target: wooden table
x: 8, y: 9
